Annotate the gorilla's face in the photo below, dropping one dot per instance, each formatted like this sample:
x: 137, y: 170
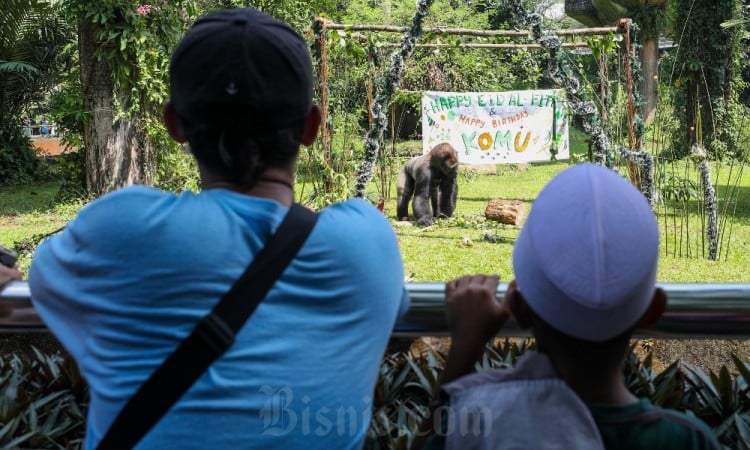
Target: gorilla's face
x: 444, y: 157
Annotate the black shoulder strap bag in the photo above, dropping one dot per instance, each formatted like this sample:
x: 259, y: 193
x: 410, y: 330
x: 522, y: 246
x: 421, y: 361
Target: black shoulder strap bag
x: 213, y: 335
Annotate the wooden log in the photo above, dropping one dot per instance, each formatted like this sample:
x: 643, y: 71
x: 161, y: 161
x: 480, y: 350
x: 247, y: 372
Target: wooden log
x: 505, y: 211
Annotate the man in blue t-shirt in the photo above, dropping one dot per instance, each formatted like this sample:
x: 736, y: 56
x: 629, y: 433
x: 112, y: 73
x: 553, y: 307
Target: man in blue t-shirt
x: 135, y: 271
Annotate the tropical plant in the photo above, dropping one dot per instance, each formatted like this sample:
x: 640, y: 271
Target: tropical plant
x: 297, y: 13
x: 43, y: 401
x: 31, y: 37
x: 406, y: 385
x: 18, y: 162
x: 706, y: 73
x: 43, y: 398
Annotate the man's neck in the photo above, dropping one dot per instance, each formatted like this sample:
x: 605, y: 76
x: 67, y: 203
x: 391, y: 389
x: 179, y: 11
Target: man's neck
x: 275, y: 184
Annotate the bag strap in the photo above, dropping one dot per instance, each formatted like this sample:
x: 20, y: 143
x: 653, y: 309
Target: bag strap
x: 213, y: 335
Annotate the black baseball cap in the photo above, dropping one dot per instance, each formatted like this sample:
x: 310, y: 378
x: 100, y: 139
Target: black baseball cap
x: 243, y: 67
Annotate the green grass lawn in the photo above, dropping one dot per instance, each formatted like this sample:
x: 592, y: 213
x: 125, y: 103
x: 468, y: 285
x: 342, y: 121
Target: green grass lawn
x: 27, y: 211
x: 449, y: 249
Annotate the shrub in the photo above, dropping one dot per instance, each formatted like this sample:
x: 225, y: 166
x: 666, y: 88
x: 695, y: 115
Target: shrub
x: 43, y: 399
x: 405, y: 386
x: 18, y: 161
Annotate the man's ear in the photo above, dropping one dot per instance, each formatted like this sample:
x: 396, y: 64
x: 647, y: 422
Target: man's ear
x: 655, y: 309
x: 518, y: 306
x: 173, y: 124
x: 312, y: 125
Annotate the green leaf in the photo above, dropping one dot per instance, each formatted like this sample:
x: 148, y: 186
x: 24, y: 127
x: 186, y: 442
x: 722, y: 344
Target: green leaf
x: 706, y: 389
x: 732, y: 23
x: 423, y: 382
x: 648, y: 361
x: 9, y: 428
x: 725, y: 387
x: 742, y: 428
x: 741, y: 367
x: 400, y: 380
x: 19, y: 440
x: 33, y: 420
x: 18, y: 67
x: 49, y: 398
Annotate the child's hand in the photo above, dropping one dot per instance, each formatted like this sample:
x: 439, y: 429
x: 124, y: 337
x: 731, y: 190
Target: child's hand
x: 9, y: 273
x: 473, y: 312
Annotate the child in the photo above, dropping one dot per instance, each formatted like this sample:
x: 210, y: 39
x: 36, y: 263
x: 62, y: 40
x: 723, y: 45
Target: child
x: 585, y: 265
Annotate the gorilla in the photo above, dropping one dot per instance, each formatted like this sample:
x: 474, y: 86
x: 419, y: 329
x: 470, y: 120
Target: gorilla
x: 432, y: 179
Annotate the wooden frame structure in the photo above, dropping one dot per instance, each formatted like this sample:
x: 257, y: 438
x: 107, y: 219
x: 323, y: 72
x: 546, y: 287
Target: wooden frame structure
x: 324, y: 25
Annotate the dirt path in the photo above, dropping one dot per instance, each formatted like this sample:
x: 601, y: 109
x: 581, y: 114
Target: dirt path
x: 707, y: 354
x: 48, y: 146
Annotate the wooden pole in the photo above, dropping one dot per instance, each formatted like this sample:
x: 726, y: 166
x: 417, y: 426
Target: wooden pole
x: 490, y: 46
x: 633, y: 141
x: 472, y: 32
x: 603, y: 79
x: 369, y: 89
x: 627, y: 63
x: 325, y: 131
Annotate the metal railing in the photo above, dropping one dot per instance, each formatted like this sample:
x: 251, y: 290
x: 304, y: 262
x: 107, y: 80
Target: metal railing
x: 700, y: 310
x: 39, y: 130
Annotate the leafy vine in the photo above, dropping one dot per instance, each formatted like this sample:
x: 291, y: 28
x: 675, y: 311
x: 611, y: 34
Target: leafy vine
x: 136, y: 39
x: 388, y: 86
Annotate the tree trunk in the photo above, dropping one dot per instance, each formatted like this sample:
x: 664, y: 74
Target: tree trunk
x: 387, y: 9
x: 505, y: 211
x: 117, y: 149
x: 650, y: 86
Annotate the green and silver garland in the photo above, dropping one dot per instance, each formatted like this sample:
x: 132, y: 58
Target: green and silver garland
x: 645, y: 162
x: 388, y: 86
x: 698, y: 153
x: 558, y: 71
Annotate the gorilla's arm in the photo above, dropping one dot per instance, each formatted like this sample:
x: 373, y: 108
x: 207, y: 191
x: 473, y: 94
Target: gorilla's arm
x: 448, y: 195
x: 404, y: 189
x: 444, y: 165
x: 425, y: 193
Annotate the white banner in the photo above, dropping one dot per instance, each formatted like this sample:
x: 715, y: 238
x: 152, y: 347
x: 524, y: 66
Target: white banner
x: 497, y: 127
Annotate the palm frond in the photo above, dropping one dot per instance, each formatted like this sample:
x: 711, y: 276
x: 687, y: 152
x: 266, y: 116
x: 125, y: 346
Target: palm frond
x: 733, y: 23
x: 18, y: 67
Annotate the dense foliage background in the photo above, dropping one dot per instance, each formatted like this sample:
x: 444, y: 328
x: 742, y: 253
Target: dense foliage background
x: 97, y: 68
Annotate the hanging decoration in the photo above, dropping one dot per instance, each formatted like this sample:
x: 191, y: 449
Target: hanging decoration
x: 558, y: 71
x: 698, y: 153
x: 388, y: 86
x: 645, y: 162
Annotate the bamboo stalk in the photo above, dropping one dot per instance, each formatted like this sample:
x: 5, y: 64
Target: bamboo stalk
x: 633, y: 141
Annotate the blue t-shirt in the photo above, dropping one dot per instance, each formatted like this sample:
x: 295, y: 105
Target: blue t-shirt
x: 130, y: 277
